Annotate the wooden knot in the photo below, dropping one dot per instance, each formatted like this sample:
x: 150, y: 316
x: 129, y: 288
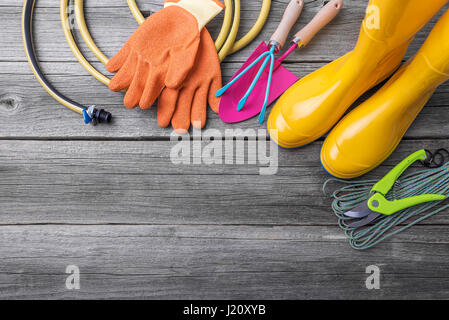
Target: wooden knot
x: 9, y: 103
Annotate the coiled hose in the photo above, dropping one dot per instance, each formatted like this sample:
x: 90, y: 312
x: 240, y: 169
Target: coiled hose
x: 90, y: 114
x: 225, y: 45
x: 224, y: 41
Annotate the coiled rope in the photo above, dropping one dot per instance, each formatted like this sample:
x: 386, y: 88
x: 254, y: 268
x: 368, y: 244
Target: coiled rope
x: 427, y: 181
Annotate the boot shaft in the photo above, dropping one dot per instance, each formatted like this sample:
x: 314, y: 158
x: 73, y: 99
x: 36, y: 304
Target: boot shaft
x: 389, y: 24
x: 435, y: 49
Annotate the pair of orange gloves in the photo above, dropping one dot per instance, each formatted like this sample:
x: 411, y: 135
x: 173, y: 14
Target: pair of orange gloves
x: 172, y: 58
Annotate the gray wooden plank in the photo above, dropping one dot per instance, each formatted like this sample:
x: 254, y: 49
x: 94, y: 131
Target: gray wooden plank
x: 28, y: 111
x: 96, y: 182
x: 111, y: 23
x: 22, y: 100
x: 140, y: 226
x: 217, y: 262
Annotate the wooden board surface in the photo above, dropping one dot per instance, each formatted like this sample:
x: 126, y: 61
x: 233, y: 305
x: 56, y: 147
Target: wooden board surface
x: 110, y: 201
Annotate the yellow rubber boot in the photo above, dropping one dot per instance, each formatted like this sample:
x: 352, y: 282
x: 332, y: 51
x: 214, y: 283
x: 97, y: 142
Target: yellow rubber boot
x: 315, y: 103
x: 371, y: 132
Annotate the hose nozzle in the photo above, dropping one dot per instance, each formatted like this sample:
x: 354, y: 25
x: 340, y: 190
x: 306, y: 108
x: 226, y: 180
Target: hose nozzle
x: 95, y: 116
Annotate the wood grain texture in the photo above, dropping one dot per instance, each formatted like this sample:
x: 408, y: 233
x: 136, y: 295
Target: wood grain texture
x: 92, y: 182
x: 109, y: 200
x: 218, y: 262
x: 111, y: 24
x: 32, y: 113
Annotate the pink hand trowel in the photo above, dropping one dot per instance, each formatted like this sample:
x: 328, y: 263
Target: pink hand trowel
x: 253, y: 87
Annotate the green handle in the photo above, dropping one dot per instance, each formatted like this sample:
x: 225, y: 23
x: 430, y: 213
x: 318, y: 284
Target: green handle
x: 385, y: 185
x: 378, y: 203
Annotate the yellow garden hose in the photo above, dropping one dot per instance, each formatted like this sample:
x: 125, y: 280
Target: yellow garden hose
x: 227, y: 22
x: 225, y: 44
x: 72, y: 44
x: 27, y: 21
x: 137, y: 14
x: 223, y: 35
x: 229, y: 45
x: 91, y: 114
x: 81, y: 22
x: 255, y: 30
x: 84, y: 31
x: 224, y: 39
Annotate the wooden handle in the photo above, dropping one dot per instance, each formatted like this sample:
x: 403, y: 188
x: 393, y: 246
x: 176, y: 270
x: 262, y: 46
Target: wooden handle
x: 322, y: 18
x: 291, y: 14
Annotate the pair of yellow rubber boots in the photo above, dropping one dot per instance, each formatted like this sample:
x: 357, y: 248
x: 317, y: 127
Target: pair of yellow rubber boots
x: 371, y: 132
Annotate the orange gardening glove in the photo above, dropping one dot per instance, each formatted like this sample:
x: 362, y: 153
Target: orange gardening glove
x: 188, y: 104
x: 162, y: 51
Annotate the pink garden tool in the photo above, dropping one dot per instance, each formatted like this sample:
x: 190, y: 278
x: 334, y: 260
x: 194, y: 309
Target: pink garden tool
x: 253, y: 91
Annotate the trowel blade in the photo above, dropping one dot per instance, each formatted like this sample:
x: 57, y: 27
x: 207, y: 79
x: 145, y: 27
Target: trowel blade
x: 282, y: 80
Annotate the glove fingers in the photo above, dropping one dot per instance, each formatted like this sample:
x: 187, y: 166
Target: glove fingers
x: 153, y: 88
x: 125, y: 75
x: 166, y: 106
x: 134, y: 93
x: 199, y: 108
x: 116, y: 62
x: 181, y: 119
x: 181, y: 63
x: 214, y: 102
